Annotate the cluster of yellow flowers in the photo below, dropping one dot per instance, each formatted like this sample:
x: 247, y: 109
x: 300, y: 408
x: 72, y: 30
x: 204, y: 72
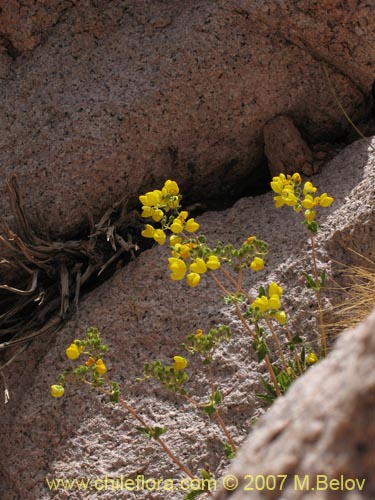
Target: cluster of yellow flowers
x: 270, y: 305
x: 157, y: 204
x: 289, y: 192
x: 188, y: 256
x: 73, y: 352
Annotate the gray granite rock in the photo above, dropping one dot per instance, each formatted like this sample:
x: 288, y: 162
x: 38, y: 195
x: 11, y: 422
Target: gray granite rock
x: 143, y: 316
x: 102, y: 100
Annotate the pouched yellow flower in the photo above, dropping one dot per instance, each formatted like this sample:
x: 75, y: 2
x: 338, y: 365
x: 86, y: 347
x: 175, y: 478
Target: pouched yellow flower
x: 147, y: 211
x: 249, y: 240
x: 178, y: 268
x: 159, y: 236
x: 184, y: 251
x: 183, y: 215
x: 279, y: 202
x: 180, y: 363
x: 280, y: 317
x: 157, y: 215
x: 191, y: 226
x: 213, y: 262
x: 151, y: 199
x: 325, y: 200
x: 193, y: 279
x: 309, y: 188
x: 289, y: 198
x: 257, y: 264
x: 308, y: 201
x: 90, y: 361
x: 148, y: 231
x: 274, y: 302
x: 171, y: 187
x: 57, y: 391
x: 72, y: 352
x: 277, y: 185
x: 198, y: 333
x: 310, y: 215
x: 100, y: 367
x: 261, y: 303
x: 296, y: 178
x: 174, y: 239
x: 311, y: 358
x: 176, y: 226
x: 198, y: 266
x: 274, y: 289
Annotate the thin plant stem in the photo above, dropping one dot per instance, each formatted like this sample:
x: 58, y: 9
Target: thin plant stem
x: 136, y: 415
x: 290, y: 337
x: 275, y: 338
x: 323, y: 338
x: 249, y: 329
x: 217, y: 413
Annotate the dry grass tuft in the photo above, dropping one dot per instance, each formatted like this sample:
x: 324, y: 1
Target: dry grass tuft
x: 358, y: 296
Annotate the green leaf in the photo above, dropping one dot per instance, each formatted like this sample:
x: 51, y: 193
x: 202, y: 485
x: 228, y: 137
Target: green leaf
x: 228, y: 450
x: 261, y: 292
x: 209, y: 409
x: 323, y: 278
x: 310, y: 282
x: 193, y: 494
x: 217, y: 397
x: 262, y: 350
x: 115, y: 393
x: 152, y: 432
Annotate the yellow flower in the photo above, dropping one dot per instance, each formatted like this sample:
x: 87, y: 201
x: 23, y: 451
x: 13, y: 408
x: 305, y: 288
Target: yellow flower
x: 159, y: 236
x: 249, y: 240
x: 176, y: 226
x: 184, y: 251
x: 198, y: 266
x: 213, y: 262
x: 296, y: 178
x: 198, y: 333
x: 57, y: 391
x: 277, y: 185
x: 193, y: 279
x: 274, y: 302
x: 171, y: 187
x: 180, y: 363
x: 308, y: 201
x: 148, y: 231
x: 90, y: 361
x: 310, y: 215
x: 147, y: 211
x: 261, y: 303
x: 174, y: 239
x: 311, y: 358
x: 151, y: 199
x: 257, y: 264
x: 279, y: 202
x: 274, y: 289
x: 157, y: 215
x: 280, y: 317
x: 178, y: 268
x: 191, y: 226
x: 308, y: 188
x: 183, y: 215
x: 100, y: 367
x: 289, y: 198
x: 325, y: 200
x: 72, y: 352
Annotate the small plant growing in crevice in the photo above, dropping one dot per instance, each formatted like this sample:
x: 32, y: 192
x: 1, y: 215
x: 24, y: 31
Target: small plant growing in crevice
x: 263, y: 317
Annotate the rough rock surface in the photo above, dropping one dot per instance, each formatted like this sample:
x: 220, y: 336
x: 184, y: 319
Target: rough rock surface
x: 100, y: 99
x: 144, y: 316
x: 324, y: 429
x: 285, y: 149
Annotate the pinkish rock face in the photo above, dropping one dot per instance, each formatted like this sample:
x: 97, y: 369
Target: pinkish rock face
x: 101, y: 100
x: 144, y: 316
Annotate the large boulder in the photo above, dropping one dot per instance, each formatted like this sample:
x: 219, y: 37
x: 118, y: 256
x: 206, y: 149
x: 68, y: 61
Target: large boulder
x: 100, y: 100
x: 144, y: 316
